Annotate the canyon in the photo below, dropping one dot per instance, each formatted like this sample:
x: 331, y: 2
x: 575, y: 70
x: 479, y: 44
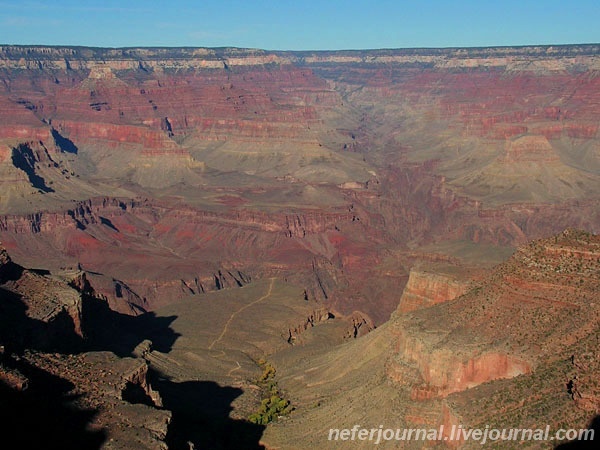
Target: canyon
x: 380, y: 226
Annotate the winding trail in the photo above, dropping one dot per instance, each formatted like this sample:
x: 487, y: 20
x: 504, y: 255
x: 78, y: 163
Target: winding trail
x: 234, y: 369
x: 226, y: 327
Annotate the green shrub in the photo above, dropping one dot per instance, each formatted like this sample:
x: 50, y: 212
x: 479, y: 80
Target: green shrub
x: 273, y: 405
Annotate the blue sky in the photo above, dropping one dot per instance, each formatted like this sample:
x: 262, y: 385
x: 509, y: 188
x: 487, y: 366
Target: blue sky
x: 300, y: 25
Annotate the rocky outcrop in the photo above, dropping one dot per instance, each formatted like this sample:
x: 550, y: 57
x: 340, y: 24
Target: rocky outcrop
x: 425, y: 289
x: 134, y: 384
x: 483, y: 339
x: 360, y: 325
x: 319, y: 315
x: 24, y: 159
x: 4, y: 258
x: 118, y: 390
x: 445, y: 371
x: 530, y: 148
x: 43, y: 313
x: 12, y: 378
x: 53, y: 311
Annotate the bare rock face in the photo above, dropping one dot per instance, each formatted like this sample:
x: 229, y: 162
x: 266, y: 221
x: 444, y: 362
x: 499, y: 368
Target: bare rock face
x: 40, y: 311
x: 49, y: 382
x: 530, y: 148
x: 426, y: 289
x: 12, y: 378
x: 4, y: 258
x: 234, y: 165
x: 117, y: 388
x: 517, y: 349
x: 444, y: 371
x: 551, y: 283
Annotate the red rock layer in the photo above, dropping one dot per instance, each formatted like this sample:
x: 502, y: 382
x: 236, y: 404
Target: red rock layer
x: 426, y: 289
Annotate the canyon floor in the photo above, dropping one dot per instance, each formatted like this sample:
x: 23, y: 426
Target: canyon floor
x: 195, y: 242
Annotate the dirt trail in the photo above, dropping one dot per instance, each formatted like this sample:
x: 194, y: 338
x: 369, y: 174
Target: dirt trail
x: 226, y: 327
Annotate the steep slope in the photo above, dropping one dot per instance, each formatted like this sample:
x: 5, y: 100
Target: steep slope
x: 86, y: 376
x: 54, y: 389
x: 518, y: 350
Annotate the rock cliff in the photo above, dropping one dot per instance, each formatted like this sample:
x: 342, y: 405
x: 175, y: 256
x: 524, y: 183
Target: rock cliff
x: 518, y: 349
x: 51, y: 382
x: 167, y: 173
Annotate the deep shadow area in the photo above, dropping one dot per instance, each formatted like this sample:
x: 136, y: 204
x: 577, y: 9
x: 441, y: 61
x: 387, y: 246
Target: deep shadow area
x: 201, y: 416
x: 19, y: 332
x: 38, y: 409
x: 200, y: 408
x: 10, y: 271
x: 43, y: 415
x: 109, y: 330
x: 584, y: 445
x: 103, y: 328
x: 64, y: 144
x: 134, y: 393
x: 108, y: 223
x: 24, y: 159
x: 106, y: 329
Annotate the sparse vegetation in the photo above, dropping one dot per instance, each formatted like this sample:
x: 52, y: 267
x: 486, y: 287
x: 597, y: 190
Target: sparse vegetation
x: 273, y: 405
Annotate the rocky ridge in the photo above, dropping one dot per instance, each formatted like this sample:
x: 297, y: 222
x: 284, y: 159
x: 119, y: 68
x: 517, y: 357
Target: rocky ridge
x: 516, y: 350
x: 49, y: 382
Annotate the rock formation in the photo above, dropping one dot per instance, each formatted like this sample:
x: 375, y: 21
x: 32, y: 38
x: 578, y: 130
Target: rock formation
x: 517, y: 350
x: 344, y: 154
x: 51, y: 384
x: 366, y: 185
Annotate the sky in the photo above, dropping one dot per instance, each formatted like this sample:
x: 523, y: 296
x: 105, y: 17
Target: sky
x: 300, y: 24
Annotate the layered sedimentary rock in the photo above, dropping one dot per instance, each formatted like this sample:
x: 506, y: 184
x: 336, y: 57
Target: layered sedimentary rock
x: 542, y: 281
x: 51, y: 382
x: 347, y: 154
x: 224, y: 246
x: 324, y: 181
x: 525, y: 322
x: 426, y: 289
x: 516, y: 350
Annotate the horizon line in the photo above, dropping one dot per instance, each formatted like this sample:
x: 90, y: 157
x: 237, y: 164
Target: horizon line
x: 233, y: 47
